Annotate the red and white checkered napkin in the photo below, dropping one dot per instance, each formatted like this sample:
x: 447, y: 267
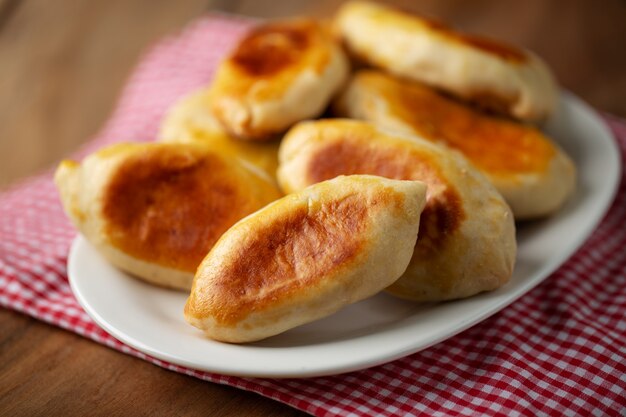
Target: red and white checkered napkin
x: 560, y: 349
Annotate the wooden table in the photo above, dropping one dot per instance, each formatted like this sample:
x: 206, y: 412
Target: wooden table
x: 62, y: 65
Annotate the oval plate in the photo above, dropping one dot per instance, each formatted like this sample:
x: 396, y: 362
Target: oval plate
x: 373, y: 331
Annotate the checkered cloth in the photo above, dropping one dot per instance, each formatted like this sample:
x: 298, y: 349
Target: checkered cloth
x: 559, y: 350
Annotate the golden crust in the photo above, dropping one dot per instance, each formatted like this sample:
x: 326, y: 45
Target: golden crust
x: 151, y: 206
x: 497, y: 76
x: 466, y: 242
x: 305, y: 256
x: 532, y: 173
x: 280, y: 73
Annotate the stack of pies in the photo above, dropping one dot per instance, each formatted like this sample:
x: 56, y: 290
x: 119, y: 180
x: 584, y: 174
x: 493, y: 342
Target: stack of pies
x: 271, y: 217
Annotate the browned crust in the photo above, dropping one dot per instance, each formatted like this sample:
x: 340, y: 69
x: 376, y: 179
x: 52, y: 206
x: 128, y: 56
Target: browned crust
x: 495, y: 145
x: 170, y: 207
x: 284, y: 258
x: 270, y: 48
x: 443, y: 213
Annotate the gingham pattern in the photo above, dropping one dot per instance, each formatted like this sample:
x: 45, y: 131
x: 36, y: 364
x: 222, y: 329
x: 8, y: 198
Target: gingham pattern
x: 559, y: 350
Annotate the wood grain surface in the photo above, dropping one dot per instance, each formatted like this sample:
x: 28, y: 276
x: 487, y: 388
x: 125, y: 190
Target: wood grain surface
x: 63, y: 63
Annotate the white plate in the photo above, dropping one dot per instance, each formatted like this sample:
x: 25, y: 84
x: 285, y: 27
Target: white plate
x: 370, y: 332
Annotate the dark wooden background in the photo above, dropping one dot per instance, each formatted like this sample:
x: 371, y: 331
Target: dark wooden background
x: 62, y: 64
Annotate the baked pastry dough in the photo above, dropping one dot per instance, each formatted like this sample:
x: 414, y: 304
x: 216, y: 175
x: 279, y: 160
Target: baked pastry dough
x: 279, y: 74
x: 155, y: 210
x: 498, y: 76
x: 188, y: 117
x: 191, y: 120
x: 533, y: 174
x: 306, y: 256
x: 466, y: 242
